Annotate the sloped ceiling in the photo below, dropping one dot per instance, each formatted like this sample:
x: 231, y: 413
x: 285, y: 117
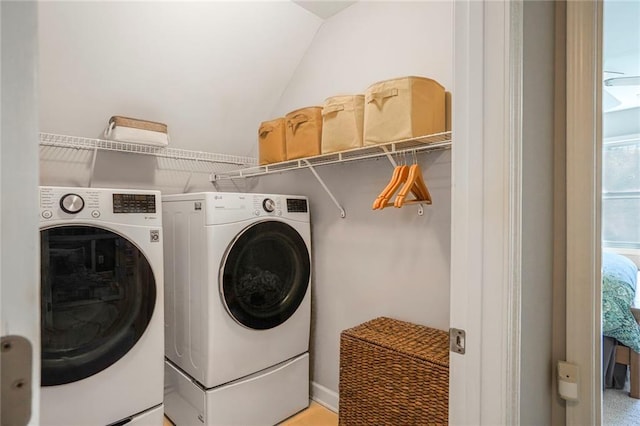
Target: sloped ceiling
x: 212, y: 71
x: 621, y: 47
x: 621, y: 56
x: 324, y: 8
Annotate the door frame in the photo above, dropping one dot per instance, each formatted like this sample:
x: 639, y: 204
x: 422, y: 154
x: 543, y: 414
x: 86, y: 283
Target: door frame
x: 486, y: 212
x: 19, y: 162
x: 583, y: 171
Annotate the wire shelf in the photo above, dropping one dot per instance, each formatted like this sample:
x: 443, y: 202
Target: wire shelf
x: 76, y: 142
x: 433, y: 142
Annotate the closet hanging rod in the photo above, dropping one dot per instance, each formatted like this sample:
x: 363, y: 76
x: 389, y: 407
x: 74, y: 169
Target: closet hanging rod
x: 77, y: 142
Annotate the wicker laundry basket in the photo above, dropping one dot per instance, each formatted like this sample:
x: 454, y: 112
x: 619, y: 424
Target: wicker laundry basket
x: 393, y: 373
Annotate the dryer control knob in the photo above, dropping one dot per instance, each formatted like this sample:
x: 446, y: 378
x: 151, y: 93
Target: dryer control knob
x: 268, y: 205
x: 71, y: 203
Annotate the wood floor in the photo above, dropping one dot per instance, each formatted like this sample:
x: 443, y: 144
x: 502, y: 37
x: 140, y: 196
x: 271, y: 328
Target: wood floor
x: 315, y: 415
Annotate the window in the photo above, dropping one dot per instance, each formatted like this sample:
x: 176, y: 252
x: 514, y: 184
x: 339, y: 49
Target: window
x: 621, y: 192
x: 621, y: 125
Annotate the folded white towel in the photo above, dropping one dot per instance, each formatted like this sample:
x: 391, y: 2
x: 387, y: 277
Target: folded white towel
x: 135, y: 135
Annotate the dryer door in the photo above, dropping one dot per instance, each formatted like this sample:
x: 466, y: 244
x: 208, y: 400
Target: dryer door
x: 265, y: 275
x: 98, y: 294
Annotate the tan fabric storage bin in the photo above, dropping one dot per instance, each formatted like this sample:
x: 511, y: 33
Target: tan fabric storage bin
x: 304, y: 132
x: 393, y: 372
x: 271, y: 141
x: 342, y: 123
x: 403, y: 108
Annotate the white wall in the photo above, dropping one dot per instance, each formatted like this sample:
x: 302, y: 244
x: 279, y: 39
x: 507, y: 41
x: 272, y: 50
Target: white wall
x: 20, y: 278
x: 210, y: 70
x: 372, y: 263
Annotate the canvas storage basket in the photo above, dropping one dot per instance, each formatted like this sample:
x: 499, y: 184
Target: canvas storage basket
x: 393, y: 373
x: 342, y: 123
x: 271, y: 141
x: 127, y: 129
x: 303, y: 132
x: 403, y: 108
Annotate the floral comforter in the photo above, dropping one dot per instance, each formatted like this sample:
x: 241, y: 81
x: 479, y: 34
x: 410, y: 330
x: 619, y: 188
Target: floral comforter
x: 619, y: 280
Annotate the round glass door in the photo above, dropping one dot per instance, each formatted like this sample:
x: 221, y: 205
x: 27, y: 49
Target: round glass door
x: 98, y: 294
x: 265, y: 275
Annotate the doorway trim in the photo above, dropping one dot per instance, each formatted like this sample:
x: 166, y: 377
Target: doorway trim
x: 584, y: 145
x: 486, y: 212
x: 20, y: 256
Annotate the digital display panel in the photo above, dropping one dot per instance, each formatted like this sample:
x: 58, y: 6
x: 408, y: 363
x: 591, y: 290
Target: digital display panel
x: 296, y: 205
x: 134, y: 203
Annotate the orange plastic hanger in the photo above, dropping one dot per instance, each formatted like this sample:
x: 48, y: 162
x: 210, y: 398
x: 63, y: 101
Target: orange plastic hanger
x: 400, y: 174
x: 416, y: 184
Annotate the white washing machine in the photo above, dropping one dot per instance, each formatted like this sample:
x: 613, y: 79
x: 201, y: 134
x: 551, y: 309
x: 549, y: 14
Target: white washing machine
x: 238, y: 305
x: 102, y: 307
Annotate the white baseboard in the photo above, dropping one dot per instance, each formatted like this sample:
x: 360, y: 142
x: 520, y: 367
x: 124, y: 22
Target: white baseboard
x: 324, y: 396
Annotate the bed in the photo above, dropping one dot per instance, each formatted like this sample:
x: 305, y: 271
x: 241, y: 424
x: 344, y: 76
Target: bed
x: 620, y: 329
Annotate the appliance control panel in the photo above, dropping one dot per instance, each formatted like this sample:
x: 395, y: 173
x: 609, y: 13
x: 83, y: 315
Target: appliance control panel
x: 228, y: 207
x: 267, y: 205
x: 91, y: 204
x: 277, y: 205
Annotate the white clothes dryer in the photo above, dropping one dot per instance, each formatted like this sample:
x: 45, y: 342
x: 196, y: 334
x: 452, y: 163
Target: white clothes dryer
x: 238, y: 303
x: 102, y: 307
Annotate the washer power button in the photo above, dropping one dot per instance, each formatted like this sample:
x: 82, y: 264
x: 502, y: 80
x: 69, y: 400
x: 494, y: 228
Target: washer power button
x: 95, y: 213
x: 47, y: 214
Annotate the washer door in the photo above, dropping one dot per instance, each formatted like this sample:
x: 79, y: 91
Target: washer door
x: 265, y: 275
x: 98, y: 295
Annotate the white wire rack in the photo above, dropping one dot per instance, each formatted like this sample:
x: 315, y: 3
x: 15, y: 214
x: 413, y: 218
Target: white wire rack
x: 76, y: 142
x: 438, y: 141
